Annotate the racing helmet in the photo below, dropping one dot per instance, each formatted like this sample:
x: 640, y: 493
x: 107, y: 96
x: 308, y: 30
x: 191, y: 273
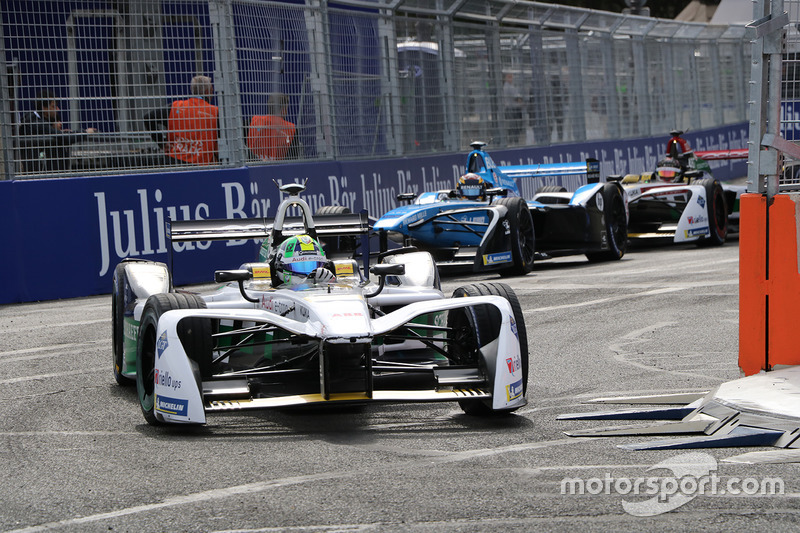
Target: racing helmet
x: 668, y: 170
x: 471, y: 187
x: 296, y: 258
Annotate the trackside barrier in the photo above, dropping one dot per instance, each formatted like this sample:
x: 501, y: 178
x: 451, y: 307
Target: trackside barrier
x: 769, y: 282
x: 62, y: 238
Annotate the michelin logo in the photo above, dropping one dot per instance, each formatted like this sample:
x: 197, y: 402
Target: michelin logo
x: 493, y: 259
x: 696, y: 231
x: 514, y: 390
x: 171, y: 406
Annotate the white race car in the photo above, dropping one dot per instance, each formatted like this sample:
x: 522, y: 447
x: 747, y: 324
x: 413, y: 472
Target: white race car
x: 680, y: 200
x: 302, y: 330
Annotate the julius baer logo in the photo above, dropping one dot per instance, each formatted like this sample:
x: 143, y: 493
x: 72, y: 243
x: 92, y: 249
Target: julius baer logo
x: 671, y: 484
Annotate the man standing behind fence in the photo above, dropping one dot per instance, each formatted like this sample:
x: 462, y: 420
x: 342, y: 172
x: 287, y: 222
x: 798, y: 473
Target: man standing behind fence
x: 193, y: 125
x: 272, y: 137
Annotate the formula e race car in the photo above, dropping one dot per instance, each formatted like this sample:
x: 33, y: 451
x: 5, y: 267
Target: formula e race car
x: 485, y: 225
x: 301, y: 329
x: 681, y: 201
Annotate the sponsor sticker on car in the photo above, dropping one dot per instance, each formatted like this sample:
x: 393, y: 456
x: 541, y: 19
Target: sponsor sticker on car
x: 171, y: 406
x: 343, y: 268
x: 514, y: 390
x: 514, y: 364
x: 261, y: 272
x: 696, y: 231
x: 493, y: 259
x: 162, y: 344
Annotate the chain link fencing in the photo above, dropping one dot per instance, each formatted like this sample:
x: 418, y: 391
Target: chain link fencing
x: 356, y: 80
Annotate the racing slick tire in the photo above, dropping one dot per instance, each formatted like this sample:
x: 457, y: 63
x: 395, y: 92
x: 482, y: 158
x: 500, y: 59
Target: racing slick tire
x: 118, y: 303
x: 717, y: 212
x: 616, y: 224
x: 195, y: 335
x: 551, y: 188
x: 472, y: 327
x: 523, y: 238
x: 336, y: 246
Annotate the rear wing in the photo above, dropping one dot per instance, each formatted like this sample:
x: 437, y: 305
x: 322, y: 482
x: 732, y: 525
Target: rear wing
x: 341, y: 225
x: 590, y: 167
x: 261, y: 228
x: 716, y: 155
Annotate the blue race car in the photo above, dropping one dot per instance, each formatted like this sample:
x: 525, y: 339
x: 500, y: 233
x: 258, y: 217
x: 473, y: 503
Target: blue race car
x: 485, y: 225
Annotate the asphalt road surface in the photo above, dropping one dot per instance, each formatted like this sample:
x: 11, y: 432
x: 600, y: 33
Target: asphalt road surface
x: 77, y: 455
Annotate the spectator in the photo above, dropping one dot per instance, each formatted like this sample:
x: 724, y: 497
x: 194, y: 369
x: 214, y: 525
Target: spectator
x: 43, y: 140
x: 272, y: 137
x: 513, y: 108
x: 191, y: 124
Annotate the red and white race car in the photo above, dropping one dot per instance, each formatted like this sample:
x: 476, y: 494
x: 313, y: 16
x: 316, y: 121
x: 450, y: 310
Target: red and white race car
x: 681, y: 200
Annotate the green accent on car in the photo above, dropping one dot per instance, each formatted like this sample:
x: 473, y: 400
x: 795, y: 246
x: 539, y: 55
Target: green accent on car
x: 130, y: 337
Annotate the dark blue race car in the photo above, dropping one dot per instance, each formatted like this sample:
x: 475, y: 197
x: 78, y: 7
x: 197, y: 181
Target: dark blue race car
x: 485, y: 225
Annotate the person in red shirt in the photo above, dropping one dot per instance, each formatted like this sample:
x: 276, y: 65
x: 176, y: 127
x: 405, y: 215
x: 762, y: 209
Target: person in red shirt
x: 191, y: 126
x: 272, y: 137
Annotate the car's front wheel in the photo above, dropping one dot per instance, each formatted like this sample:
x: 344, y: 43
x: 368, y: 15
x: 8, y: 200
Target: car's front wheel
x: 717, y: 212
x: 475, y: 326
x: 194, y: 333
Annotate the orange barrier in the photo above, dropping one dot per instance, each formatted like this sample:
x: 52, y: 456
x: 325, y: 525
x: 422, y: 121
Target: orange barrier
x: 769, y: 282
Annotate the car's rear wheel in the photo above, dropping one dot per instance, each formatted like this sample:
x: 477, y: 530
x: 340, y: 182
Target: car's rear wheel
x: 616, y: 224
x: 523, y: 238
x: 717, y: 212
x: 475, y: 326
x: 337, y: 247
x: 551, y: 188
x: 194, y: 334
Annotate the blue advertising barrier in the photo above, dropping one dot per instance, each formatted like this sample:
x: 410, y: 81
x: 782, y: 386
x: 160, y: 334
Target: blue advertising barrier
x: 62, y: 238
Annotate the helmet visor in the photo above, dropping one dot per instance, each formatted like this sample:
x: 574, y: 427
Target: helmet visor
x: 471, y: 191
x: 303, y: 267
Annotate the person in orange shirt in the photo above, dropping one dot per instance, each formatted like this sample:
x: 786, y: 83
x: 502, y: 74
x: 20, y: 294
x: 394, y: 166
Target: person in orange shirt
x: 272, y: 137
x: 192, y: 126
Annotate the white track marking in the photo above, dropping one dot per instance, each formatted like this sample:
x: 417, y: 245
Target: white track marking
x: 45, y: 352
x: 253, y: 488
x: 605, y: 300
x: 53, y: 375
x: 52, y: 325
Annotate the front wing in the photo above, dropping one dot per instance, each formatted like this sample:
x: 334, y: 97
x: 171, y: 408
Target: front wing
x: 181, y: 396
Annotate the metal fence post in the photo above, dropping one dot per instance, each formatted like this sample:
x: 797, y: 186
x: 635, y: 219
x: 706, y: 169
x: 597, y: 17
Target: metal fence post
x: 6, y: 139
x: 315, y: 15
x: 226, y: 81
x: 765, y: 91
x: 390, y: 92
x: 448, y: 81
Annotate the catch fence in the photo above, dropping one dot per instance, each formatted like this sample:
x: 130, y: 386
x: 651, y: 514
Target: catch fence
x: 362, y: 79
